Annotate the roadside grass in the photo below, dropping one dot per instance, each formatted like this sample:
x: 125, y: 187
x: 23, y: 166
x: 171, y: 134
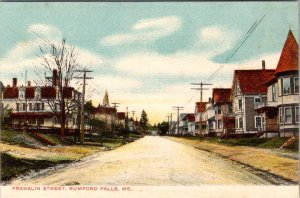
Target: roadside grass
x: 53, y: 139
x: 268, y: 143
x: 21, y: 153
x: 12, y: 166
x: 111, y: 143
x: 132, y: 135
x: 18, y: 138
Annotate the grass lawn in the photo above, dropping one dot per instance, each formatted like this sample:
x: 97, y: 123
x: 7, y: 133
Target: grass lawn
x: 268, y: 143
x: 21, y: 153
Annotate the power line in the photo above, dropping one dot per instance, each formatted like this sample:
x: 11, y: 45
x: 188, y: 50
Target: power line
x: 248, y: 34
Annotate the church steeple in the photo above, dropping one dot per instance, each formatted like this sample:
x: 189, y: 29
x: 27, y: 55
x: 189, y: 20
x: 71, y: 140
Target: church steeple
x: 106, y: 100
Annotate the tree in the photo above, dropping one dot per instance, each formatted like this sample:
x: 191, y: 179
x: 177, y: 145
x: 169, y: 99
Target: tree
x: 143, y: 124
x: 63, y: 59
x: 5, y: 115
x: 163, y: 128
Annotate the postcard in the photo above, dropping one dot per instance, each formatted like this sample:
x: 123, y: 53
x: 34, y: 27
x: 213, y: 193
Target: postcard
x: 149, y: 99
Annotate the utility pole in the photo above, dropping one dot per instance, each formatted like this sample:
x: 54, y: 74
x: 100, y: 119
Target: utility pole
x: 114, y: 120
x: 133, y: 114
x: 25, y: 123
x: 168, y: 123
x: 201, y: 88
x: 82, y: 102
x: 178, y: 108
x: 133, y: 125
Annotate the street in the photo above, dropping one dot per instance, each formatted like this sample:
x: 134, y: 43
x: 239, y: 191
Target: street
x: 148, y: 161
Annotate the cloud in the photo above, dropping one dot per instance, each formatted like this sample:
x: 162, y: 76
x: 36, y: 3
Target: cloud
x: 178, y: 64
x: 45, y: 31
x: 26, y: 53
x: 217, y: 39
x: 145, y: 30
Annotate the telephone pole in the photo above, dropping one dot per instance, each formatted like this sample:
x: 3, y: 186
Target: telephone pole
x: 114, y: 120
x: 84, y: 71
x: 178, y: 108
x: 201, y: 88
x: 168, y: 123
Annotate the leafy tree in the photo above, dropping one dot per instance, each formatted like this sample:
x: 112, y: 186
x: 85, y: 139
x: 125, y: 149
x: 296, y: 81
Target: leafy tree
x: 143, y: 121
x: 163, y: 128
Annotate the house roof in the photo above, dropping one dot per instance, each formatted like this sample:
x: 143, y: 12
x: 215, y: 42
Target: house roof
x: 190, y: 117
x: 252, y: 81
x: 10, y: 92
x: 121, y: 115
x: 220, y: 95
x: 105, y: 110
x: 288, y: 60
x: 201, y: 106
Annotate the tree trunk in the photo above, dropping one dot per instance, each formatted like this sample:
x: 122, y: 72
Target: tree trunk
x: 63, y: 120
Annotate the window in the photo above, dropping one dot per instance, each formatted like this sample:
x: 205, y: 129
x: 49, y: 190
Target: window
x: 18, y: 106
x: 256, y: 102
x: 43, y: 106
x: 258, y: 122
x: 240, y: 104
x: 218, y: 110
x: 286, y: 83
x: 240, y: 123
x: 220, y: 124
x: 297, y: 114
x: 296, y: 85
x: 37, y: 93
x: 273, y: 93
x: 287, y: 115
x: 38, y: 106
x: 280, y: 115
x: 24, y: 107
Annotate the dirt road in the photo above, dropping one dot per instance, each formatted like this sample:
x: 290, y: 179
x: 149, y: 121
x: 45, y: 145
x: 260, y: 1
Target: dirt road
x: 149, y: 161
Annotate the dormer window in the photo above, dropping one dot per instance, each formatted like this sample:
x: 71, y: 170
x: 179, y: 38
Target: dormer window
x: 37, y: 93
x: 22, y: 93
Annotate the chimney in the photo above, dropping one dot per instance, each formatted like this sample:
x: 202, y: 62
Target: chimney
x: 54, y: 77
x: 14, y: 82
x: 28, y: 83
x: 263, y: 64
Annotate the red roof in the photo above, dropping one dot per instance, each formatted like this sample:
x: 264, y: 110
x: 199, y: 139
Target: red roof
x: 29, y: 92
x: 10, y: 92
x: 190, y: 117
x: 67, y: 92
x: 121, y: 115
x: 48, y: 92
x: 201, y: 106
x: 105, y: 110
x: 221, y: 95
x: 252, y: 81
x: 288, y: 60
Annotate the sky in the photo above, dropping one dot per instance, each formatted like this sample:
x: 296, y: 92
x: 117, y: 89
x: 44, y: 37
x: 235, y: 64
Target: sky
x: 147, y: 54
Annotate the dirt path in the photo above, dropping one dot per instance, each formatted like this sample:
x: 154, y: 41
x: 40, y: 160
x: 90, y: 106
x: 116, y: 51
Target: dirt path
x: 149, y: 161
x: 278, y: 166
